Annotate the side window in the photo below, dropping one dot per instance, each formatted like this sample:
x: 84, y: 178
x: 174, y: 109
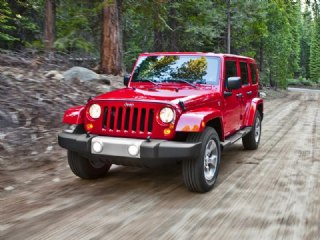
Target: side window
x: 253, y: 73
x: 244, y: 73
x: 231, y: 71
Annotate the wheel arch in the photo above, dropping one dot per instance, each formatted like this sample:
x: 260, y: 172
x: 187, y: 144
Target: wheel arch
x: 74, y: 115
x: 256, y: 105
x: 216, y: 123
x: 197, y: 120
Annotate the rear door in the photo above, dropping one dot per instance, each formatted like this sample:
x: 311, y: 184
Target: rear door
x: 254, y: 79
x: 232, y: 103
x: 246, y: 90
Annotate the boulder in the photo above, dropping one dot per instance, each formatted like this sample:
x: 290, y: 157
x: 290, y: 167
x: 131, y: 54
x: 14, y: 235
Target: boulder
x: 80, y: 73
x: 54, y: 74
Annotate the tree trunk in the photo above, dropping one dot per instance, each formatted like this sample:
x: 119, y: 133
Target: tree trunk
x: 111, y: 60
x: 49, y: 25
x: 157, y: 35
x: 261, y: 56
x: 228, y: 27
x: 173, y: 43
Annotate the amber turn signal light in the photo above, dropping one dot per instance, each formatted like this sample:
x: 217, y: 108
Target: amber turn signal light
x: 167, y: 131
x: 89, y: 126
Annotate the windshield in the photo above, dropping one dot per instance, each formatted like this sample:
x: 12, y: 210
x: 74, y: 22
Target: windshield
x: 184, y: 69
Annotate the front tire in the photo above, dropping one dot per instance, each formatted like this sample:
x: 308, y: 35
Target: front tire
x: 85, y: 168
x: 252, y: 139
x: 200, y: 174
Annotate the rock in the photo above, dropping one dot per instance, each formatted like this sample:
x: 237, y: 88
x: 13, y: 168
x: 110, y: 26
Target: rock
x: 263, y: 94
x: 9, y: 188
x: 49, y: 148
x: 56, y: 180
x: 19, y: 77
x: 80, y: 73
x: 5, y: 119
x: 54, y: 74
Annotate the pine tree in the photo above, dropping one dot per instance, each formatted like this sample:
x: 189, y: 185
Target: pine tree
x: 293, y: 10
x: 315, y: 52
x: 6, y: 24
x: 306, y: 33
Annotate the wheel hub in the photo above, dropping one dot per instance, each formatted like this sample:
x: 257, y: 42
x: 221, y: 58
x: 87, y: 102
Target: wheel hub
x: 257, y: 130
x: 210, y: 160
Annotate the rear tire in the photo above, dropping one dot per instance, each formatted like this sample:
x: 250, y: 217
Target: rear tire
x: 200, y: 174
x: 252, y: 139
x: 85, y: 168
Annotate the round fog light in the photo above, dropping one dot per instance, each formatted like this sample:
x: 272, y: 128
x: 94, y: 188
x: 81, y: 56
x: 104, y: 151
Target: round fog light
x: 133, y: 150
x: 97, y: 147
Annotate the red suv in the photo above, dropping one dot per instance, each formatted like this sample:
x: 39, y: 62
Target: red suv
x: 176, y: 107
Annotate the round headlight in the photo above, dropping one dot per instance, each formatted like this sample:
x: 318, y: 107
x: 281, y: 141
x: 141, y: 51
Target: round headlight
x: 95, y: 111
x: 166, y: 115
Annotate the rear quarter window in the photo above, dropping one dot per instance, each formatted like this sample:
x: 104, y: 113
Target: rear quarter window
x: 244, y: 73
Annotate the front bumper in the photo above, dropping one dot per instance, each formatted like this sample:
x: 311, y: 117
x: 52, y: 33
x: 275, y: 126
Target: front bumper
x: 118, y: 148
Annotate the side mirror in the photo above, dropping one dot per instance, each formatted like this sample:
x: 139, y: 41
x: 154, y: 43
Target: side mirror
x: 234, y: 83
x: 126, y: 79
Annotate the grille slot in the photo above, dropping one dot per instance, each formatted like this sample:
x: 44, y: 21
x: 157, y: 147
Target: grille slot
x: 128, y: 119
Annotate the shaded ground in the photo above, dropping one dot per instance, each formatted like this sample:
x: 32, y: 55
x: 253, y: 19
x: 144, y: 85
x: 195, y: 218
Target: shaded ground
x: 271, y: 193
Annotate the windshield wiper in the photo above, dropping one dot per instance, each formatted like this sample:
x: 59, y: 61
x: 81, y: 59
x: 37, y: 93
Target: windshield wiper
x: 184, y: 81
x: 146, y: 80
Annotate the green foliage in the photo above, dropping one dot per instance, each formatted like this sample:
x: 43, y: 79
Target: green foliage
x: 277, y: 44
x: 248, y: 26
x: 284, y: 41
x: 300, y: 82
x: 6, y: 25
x: 305, y: 44
x: 293, y: 10
x: 315, y: 52
x: 77, y: 24
x: 17, y: 22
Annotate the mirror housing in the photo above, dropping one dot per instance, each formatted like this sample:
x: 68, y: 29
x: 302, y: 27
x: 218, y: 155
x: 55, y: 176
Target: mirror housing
x: 234, y: 83
x: 126, y: 79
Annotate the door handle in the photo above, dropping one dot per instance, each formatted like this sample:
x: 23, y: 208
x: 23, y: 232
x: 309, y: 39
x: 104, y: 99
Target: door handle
x: 249, y: 92
x: 239, y: 94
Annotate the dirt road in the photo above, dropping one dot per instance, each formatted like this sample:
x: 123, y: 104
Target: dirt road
x: 271, y: 193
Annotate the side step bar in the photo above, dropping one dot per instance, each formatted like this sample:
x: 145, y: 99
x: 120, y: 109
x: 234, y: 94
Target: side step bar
x: 232, y: 139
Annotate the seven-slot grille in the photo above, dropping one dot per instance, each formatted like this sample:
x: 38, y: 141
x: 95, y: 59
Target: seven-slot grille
x: 128, y: 119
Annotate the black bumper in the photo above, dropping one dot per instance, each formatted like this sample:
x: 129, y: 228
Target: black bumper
x: 153, y: 149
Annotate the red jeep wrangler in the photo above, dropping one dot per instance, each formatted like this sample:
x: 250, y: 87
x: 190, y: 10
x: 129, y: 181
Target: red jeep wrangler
x: 177, y: 107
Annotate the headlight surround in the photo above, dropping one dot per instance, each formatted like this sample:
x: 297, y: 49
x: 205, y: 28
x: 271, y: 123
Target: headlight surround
x: 95, y: 111
x: 167, y: 115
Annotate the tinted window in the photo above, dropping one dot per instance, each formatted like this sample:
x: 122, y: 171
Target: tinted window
x: 253, y: 73
x: 244, y: 73
x: 231, y: 69
x: 170, y: 68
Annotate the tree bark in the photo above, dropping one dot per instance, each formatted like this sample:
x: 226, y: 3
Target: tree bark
x: 228, y: 27
x: 111, y: 55
x: 49, y: 25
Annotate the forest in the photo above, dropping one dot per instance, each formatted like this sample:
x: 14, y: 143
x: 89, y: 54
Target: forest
x: 282, y: 35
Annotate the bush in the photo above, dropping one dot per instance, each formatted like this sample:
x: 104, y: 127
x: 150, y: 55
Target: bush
x: 306, y: 82
x: 294, y: 82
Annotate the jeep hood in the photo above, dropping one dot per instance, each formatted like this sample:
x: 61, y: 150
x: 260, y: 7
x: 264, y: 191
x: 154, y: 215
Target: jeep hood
x: 164, y: 95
